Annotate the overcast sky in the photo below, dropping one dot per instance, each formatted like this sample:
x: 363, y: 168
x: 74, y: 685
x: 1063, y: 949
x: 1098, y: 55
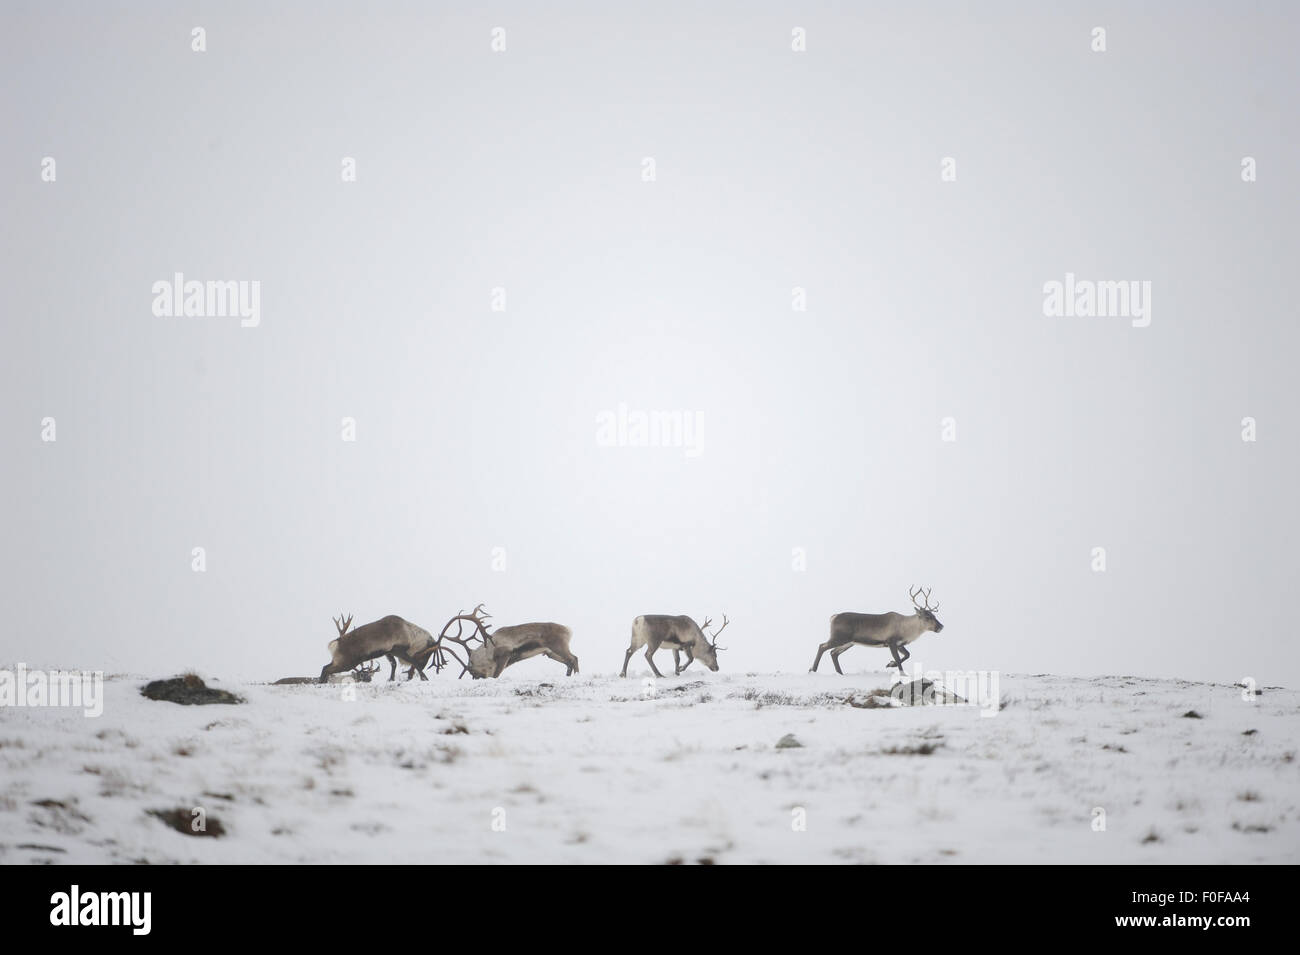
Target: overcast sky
x: 816, y: 477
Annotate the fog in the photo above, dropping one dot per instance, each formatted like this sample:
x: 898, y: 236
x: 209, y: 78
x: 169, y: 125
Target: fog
x: 502, y: 281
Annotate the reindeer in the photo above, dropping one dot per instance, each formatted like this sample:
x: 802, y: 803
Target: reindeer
x: 892, y: 630
x: 391, y: 637
x: 496, y: 651
x: 366, y: 671
x: 654, y: 630
x: 359, y: 674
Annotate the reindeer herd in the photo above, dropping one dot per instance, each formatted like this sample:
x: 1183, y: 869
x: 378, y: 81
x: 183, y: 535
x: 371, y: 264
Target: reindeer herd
x: 487, y: 654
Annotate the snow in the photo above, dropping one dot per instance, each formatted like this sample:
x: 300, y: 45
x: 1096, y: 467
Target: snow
x: 602, y: 769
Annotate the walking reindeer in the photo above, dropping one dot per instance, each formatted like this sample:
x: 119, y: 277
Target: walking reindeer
x: 680, y: 634
x: 892, y: 630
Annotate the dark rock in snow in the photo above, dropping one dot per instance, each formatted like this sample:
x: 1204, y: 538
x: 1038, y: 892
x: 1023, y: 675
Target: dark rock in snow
x: 186, y: 822
x: 187, y: 690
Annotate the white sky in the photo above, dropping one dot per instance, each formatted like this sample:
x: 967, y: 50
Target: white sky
x: 819, y: 430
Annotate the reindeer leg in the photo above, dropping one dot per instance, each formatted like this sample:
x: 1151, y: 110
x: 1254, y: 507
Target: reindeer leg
x: 392, y: 660
x: 818, y: 659
x: 835, y: 657
x: 325, y: 672
x: 650, y: 659
x: 677, y: 662
x: 898, y: 661
x: 570, y: 661
x: 690, y: 658
x: 627, y: 656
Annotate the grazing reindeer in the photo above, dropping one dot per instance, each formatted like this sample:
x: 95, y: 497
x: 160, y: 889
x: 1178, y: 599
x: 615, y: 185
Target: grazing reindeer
x: 893, y: 630
x: 653, y: 630
x: 391, y: 637
x: 508, y: 645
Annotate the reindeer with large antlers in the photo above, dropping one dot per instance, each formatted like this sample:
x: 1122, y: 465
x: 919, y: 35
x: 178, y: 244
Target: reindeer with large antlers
x: 488, y: 654
x: 892, y: 630
x: 391, y: 637
x: 680, y: 634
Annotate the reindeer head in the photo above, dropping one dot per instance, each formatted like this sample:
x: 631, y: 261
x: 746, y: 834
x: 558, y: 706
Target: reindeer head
x: 482, y: 663
x: 709, y: 656
x: 365, y: 671
x: 924, y: 610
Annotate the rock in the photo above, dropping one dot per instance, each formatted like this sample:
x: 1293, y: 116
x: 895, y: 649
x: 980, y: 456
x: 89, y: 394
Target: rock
x: 187, y: 690
x: 923, y: 692
x: 788, y: 742
x: 186, y: 822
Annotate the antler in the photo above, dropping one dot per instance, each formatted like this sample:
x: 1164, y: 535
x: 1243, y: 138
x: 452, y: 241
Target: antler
x: 341, y: 624
x: 926, y: 605
x: 478, y: 617
x: 372, y: 667
x: 439, y: 658
x: 714, y: 636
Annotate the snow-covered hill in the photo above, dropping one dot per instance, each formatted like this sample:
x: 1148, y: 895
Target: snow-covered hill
x: 598, y: 769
